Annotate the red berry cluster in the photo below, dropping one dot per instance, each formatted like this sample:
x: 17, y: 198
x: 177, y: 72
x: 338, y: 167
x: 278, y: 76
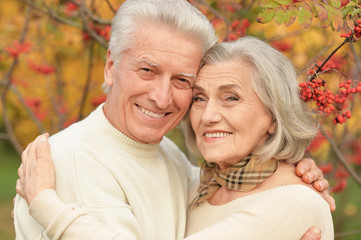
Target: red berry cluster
x: 356, y: 31
x: 326, y: 100
x: 239, y: 28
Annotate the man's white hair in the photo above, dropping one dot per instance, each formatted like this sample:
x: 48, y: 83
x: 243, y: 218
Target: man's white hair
x: 178, y: 15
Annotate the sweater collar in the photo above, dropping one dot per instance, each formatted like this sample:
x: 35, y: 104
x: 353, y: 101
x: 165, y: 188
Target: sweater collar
x: 120, y: 140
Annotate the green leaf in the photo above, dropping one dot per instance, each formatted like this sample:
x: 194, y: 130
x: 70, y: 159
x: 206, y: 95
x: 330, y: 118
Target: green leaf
x: 336, y: 3
x: 355, y: 11
x: 351, y: 4
x: 268, y: 4
x: 346, y: 10
x: 280, y: 15
x: 305, y: 15
x: 337, y: 19
x: 291, y: 15
x: 283, y: 2
x: 266, y: 15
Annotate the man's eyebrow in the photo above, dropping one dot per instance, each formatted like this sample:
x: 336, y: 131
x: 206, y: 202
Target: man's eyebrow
x: 148, y: 62
x: 188, y: 75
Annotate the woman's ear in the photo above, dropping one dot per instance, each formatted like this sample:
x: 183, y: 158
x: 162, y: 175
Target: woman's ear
x: 108, y: 70
x: 273, y: 126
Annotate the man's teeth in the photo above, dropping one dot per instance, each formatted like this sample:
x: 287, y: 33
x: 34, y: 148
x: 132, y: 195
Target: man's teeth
x: 152, y: 114
x: 216, y: 135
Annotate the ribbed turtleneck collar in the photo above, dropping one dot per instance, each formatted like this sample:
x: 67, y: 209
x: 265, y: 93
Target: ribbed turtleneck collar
x: 118, y: 139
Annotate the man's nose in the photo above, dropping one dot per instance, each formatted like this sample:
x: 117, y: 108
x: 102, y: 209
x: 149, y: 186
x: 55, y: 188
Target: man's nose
x: 161, y: 93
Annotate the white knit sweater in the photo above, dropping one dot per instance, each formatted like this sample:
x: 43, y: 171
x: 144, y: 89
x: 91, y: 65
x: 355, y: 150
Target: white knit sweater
x: 137, y: 191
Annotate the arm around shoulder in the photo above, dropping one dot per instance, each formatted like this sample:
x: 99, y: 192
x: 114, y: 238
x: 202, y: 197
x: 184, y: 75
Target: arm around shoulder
x: 68, y: 221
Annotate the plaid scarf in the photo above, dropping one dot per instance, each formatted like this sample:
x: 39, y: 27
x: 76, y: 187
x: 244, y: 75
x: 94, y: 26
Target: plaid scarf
x: 243, y: 176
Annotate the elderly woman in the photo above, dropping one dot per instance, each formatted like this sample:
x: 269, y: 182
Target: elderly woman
x: 250, y: 126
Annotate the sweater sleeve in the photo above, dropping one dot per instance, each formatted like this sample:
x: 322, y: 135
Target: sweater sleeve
x: 286, y: 215
x: 68, y: 221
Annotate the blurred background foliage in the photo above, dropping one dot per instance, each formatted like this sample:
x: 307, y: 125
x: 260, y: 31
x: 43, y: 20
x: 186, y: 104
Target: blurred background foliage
x: 52, y: 55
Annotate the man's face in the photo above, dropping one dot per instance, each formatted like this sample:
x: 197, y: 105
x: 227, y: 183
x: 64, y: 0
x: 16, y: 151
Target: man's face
x: 152, y: 83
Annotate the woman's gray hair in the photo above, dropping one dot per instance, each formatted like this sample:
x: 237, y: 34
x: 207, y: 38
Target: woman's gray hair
x: 179, y: 15
x: 275, y: 82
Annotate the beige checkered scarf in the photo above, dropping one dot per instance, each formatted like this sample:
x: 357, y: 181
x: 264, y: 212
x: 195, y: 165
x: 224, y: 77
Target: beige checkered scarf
x: 243, y: 177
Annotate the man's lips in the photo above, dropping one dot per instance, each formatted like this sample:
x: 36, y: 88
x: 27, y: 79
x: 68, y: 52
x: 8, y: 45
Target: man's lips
x: 151, y: 114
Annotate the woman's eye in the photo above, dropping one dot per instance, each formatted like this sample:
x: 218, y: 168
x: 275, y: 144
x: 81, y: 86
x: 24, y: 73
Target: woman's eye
x: 233, y: 98
x: 198, y: 98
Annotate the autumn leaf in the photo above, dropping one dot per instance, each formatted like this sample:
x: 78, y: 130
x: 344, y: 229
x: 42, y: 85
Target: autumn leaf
x: 280, y: 15
x: 336, y: 3
x: 283, y: 2
x: 355, y: 12
x: 268, y: 4
x: 348, y: 8
x: 337, y: 19
x: 291, y: 15
x: 305, y: 15
x: 322, y: 15
x: 266, y: 15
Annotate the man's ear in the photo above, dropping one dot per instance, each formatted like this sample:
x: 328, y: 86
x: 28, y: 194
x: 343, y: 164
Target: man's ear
x: 108, y: 70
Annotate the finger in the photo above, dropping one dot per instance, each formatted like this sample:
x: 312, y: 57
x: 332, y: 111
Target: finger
x: 43, y: 148
x: 304, y: 166
x: 12, y: 214
x: 31, y: 157
x: 21, y: 170
x: 313, y: 233
x: 25, y: 154
x: 331, y: 201
x: 19, y: 188
x: 321, y: 184
x: 312, y: 175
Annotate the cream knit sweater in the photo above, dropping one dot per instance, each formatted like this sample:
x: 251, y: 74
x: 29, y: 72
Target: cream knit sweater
x: 280, y: 213
x: 137, y: 191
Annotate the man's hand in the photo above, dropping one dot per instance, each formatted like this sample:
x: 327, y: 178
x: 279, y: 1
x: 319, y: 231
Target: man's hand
x: 311, y: 174
x: 313, y: 233
x: 37, y: 171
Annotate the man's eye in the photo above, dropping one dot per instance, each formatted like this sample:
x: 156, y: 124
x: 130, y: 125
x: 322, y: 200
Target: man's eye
x: 146, y: 69
x: 182, y: 83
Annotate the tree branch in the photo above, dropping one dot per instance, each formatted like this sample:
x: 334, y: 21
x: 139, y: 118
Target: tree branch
x: 341, y: 158
x: 319, y: 68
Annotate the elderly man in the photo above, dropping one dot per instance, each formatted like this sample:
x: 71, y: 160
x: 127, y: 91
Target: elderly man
x: 117, y: 176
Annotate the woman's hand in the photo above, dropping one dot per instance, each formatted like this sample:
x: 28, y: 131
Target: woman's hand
x: 311, y: 174
x: 36, y: 172
x: 313, y: 233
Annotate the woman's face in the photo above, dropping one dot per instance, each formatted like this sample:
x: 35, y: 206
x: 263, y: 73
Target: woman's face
x: 228, y: 118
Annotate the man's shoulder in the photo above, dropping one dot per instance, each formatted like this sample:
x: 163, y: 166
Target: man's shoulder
x: 64, y: 143
x: 170, y: 148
